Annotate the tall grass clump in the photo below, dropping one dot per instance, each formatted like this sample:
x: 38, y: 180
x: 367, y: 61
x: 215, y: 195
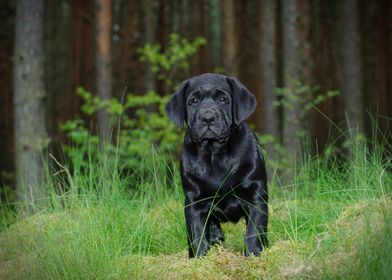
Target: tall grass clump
x: 104, y: 218
x: 93, y: 215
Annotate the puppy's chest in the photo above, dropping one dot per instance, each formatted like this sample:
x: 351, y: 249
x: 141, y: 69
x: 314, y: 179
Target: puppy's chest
x: 215, y: 171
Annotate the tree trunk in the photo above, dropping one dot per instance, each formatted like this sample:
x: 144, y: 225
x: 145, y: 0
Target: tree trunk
x: 325, y: 72
x: 214, y: 35
x: 203, y: 61
x: 162, y: 38
x: 57, y: 67
x: 29, y: 96
x: 229, y: 36
x: 6, y: 109
x: 82, y: 57
x: 248, y: 60
x: 351, y: 68
x: 103, y: 63
x: 296, y: 58
x: 376, y: 54
x: 149, y: 26
x: 269, y: 66
x: 131, y: 71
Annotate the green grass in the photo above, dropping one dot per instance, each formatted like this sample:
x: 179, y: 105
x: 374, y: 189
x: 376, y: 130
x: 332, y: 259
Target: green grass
x: 334, y: 221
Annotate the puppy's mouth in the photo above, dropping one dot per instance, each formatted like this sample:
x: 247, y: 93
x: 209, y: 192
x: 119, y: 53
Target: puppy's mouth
x: 209, y: 133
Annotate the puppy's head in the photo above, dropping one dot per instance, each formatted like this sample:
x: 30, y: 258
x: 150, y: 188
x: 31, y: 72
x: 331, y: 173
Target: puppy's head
x: 210, y: 104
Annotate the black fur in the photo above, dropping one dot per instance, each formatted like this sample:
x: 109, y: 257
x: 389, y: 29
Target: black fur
x: 222, y: 169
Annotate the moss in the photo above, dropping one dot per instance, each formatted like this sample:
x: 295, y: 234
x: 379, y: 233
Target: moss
x: 349, y: 243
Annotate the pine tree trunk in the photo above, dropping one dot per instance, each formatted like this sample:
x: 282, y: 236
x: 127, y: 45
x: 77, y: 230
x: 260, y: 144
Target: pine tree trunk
x: 162, y: 38
x: 229, y: 44
x: 57, y: 67
x: 133, y: 73
x: 214, y: 35
x: 29, y: 95
x: 375, y: 57
x: 269, y: 66
x: 103, y: 63
x: 325, y: 71
x: 248, y: 58
x: 351, y: 69
x: 149, y: 25
x: 203, y: 61
x: 6, y: 108
x: 296, y: 58
x: 82, y: 57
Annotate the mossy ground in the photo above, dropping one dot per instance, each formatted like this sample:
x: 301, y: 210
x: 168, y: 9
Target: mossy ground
x: 68, y: 244
x: 333, y: 221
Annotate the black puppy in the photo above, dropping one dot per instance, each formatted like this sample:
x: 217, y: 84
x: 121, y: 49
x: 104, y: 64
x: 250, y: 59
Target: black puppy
x: 222, y: 169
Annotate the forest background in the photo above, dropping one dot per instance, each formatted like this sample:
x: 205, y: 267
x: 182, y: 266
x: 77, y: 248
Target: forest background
x: 89, y: 170
x: 342, y: 48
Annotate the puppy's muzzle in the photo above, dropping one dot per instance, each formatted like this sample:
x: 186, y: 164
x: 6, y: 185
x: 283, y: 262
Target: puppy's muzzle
x: 208, y: 117
x: 209, y: 125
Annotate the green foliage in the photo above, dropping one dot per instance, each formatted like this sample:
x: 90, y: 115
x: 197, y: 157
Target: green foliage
x: 141, y: 124
x: 295, y: 96
x: 302, y: 95
x: 174, y: 58
x: 6, y: 191
x: 303, y: 98
x: 275, y: 156
x: 139, y: 121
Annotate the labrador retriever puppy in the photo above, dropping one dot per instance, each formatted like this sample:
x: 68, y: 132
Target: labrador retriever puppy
x: 222, y: 168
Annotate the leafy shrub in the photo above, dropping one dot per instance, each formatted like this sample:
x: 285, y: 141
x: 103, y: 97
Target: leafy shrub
x: 139, y: 122
x: 135, y: 135
x: 307, y: 97
x: 176, y: 57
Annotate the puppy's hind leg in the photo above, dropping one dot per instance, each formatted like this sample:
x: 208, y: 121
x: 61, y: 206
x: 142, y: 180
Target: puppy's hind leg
x: 215, y: 233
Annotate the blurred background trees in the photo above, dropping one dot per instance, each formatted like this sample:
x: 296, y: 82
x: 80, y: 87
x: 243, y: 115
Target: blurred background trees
x: 293, y: 55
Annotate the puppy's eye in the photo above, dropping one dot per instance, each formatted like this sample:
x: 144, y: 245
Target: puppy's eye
x: 222, y: 99
x: 195, y: 100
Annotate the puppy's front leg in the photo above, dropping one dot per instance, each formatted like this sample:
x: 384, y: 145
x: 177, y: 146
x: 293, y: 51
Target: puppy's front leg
x: 196, y: 217
x: 256, y: 229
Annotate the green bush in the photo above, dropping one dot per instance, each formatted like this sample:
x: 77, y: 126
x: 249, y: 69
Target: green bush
x: 139, y: 122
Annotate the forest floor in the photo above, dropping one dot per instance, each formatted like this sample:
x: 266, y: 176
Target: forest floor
x: 353, y: 244
x: 333, y: 222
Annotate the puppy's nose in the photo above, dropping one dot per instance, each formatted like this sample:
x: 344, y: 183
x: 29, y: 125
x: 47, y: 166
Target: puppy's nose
x: 208, y: 118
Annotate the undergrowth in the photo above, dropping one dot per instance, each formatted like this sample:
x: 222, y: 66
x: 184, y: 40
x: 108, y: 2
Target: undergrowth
x: 333, y: 221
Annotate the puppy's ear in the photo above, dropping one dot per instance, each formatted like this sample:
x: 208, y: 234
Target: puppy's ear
x: 175, y: 109
x: 244, y: 102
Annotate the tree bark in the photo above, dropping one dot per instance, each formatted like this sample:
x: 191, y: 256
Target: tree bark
x: 149, y: 26
x: 351, y: 68
x: 203, y: 61
x: 132, y: 72
x: 269, y: 66
x: 82, y: 56
x: 29, y: 96
x: 229, y: 36
x: 57, y: 67
x: 376, y: 55
x: 6, y: 108
x: 103, y: 63
x: 296, y: 59
x: 248, y: 60
x: 325, y: 72
x: 214, y: 35
x: 162, y: 36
